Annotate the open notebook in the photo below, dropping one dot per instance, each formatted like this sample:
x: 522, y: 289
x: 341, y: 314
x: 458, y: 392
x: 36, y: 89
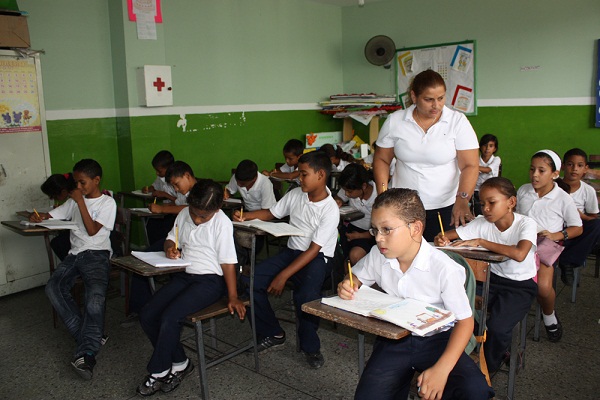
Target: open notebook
x: 274, y: 228
x: 159, y: 259
x: 414, y: 315
x: 54, y: 224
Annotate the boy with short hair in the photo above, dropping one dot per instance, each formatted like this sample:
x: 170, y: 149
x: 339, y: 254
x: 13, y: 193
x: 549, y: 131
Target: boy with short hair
x: 181, y: 176
x: 161, y: 188
x: 292, y: 151
x: 307, y: 259
x: 94, y: 213
x: 575, y: 166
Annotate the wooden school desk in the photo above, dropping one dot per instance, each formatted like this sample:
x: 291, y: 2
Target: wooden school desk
x: 362, y: 324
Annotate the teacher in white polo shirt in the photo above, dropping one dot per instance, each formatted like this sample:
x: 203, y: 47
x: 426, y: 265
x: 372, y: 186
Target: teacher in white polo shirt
x: 437, y: 154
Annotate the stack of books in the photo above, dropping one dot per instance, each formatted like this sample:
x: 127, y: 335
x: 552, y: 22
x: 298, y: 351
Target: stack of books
x: 342, y: 105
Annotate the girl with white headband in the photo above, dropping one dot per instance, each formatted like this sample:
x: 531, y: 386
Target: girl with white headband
x: 558, y: 219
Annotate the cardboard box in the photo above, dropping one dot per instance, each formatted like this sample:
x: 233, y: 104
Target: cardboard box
x: 14, y: 31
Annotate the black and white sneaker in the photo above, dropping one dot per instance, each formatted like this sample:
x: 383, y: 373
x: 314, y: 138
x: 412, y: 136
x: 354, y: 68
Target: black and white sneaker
x: 151, y: 385
x: 271, y: 343
x: 84, y: 366
x: 174, y: 378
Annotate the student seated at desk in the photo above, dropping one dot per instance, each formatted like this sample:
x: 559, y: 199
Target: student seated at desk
x: 204, y: 236
x: 94, y: 213
x: 306, y: 261
x: 576, y: 250
x: 358, y: 189
x: 339, y: 158
x: 158, y: 228
x: 292, y: 151
x: 406, y: 266
x: 57, y: 187
x: 512, y: 288
x: 257, y: 193
x: 181, y: 177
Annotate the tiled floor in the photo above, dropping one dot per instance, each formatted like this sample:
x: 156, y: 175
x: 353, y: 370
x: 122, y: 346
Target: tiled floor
x: 34, y: 358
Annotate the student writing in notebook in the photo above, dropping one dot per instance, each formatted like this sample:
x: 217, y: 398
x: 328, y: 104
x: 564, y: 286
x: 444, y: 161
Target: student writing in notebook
x: 94, y: 213
x: 257, y: 193
x: 406, y: 266
x: 512, y: 288
x: 204, y: 235
x: 292, y: 150
x: 181, y: 176
x: 306, y: 261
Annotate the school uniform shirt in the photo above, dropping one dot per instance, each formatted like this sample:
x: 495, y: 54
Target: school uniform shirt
x: 493, y: 163
x: 102, y: 209
x: 433, y: 277
x: 522, y: 228
x: 161, y: 184
x: 585, y: 199
x: 340, y: 167
x: 552, y: 212
x: 181, y: 199
x: 364, y: 206
x: 427, y: 162
x: 259, y: 197
x: 207, y: 245
x: 289, y: 169
x: 318, y: 221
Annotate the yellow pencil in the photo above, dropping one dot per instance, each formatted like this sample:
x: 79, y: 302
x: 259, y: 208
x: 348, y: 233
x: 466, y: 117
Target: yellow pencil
x: 441, y: 225
x: 350, y: 274
x: 383, y: 187
x: 36, y: 213
x: 241, y: 213
x: 155, y: 200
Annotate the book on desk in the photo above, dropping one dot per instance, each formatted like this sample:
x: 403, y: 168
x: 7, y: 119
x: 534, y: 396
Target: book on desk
x: 158, y: 259
x: 414, y: 315
x: 53, y: 224
x: 276, y: 229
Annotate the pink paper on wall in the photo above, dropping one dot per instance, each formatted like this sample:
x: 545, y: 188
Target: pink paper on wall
x: 144, y: 4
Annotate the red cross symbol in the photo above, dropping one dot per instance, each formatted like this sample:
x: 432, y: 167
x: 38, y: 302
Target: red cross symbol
x: 159, y: 84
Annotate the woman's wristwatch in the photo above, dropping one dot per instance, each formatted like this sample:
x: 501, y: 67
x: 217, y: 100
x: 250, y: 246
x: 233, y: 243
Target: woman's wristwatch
x: 463, y: 195
x: 565, y: 234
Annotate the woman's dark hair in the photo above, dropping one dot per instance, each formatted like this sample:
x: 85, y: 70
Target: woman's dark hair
x: 178, y: 169
x: 354, y: 176
x: 91, y: 168
x: 246, y: 170
x: 406, y: 203
x: 206, y: 195
x: 56, y: 183
x: 336, y: 152
x: 545, y: 156
x: 502, y: 185
x: 317, y: 160
x: 488, y: 137
x: 425, y: 80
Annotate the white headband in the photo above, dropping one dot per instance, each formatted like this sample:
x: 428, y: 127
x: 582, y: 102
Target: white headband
x: 554, y: 158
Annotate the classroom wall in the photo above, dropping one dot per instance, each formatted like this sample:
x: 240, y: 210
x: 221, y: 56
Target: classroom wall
x: 549, y: 107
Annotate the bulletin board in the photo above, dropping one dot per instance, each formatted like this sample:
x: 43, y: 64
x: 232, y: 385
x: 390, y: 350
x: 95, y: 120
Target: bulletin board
x: 455, y: 62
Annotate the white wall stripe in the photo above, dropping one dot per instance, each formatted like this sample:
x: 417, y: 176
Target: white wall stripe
x: 55, y: 115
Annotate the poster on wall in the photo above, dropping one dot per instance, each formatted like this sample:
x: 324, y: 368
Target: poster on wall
x: 455, y: 62
x: 19, y: 101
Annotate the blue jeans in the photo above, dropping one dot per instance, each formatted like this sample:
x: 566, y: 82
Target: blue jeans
x: 93, y: 267
x: 162, y: 317
x: 390, y: 369
x: 307, y: 287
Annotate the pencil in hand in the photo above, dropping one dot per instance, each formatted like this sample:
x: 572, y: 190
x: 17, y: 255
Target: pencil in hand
x: 350, y: 275
x: 441, y: 224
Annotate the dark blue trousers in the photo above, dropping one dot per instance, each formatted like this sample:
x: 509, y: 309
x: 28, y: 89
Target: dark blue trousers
x: 508, y: 302
x: 391, y: 367
x: 432, y: 222
x: 162, y: 317
x: 577, y: 249
x: 307, y: 287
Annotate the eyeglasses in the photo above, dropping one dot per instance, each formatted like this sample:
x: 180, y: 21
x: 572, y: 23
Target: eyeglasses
x: 384, y: 231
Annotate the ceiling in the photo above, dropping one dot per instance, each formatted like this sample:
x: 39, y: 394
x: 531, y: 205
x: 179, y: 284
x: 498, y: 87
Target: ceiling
x: 345, y: 3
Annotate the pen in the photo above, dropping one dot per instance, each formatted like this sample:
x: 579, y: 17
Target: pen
x: 241, y: 213
x: 36, y: 213
x: 176, y: 237
x: 350, y: 274
x: 441, y: 225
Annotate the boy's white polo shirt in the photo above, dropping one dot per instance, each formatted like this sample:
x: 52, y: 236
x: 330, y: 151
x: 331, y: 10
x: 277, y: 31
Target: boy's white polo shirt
x: 494, y: 164
x: 207, y: 245
x: 318, y: 220
x: 364, y: 206
x: 162, y: 185
x: 585, y: 199
x: 102, y: 209
x: 427, y: 162
x: 340, y: 167
x: 259, y: 197
x: 552, y: 212
x: 433, y: 277
x: 522, y: 228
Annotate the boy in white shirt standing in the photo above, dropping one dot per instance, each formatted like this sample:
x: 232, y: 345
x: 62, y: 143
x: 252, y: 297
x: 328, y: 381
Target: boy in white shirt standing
x: 94, y: 214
